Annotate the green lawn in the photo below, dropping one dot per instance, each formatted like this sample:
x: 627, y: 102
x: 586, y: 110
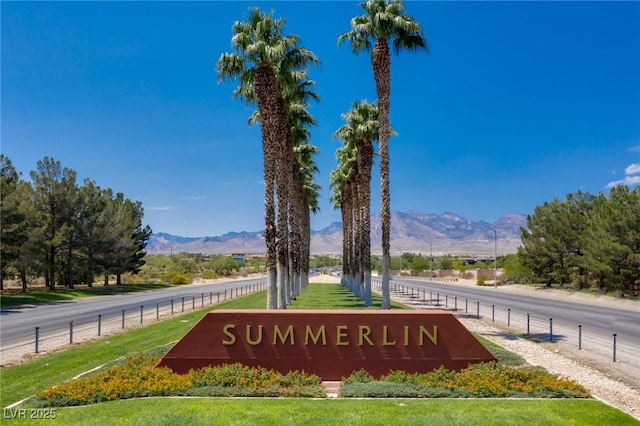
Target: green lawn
x: 308, y: 412
x: 24, y: 380
x: 34, y: 297
x: 333, y: 296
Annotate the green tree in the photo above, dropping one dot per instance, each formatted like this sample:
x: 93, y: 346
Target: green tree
x: 384, y: 22
x: 30, y: 261
x: 54, y: 188
x: 553, y: 239
x: 130, y: 238
x: 515, y: 271
x: 13, y: 223
x: 447, y: 262
x: 619, y: 237
x: 418, y: 264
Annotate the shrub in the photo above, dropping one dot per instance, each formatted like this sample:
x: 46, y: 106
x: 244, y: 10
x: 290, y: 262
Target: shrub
x: 478, y: 380
x: 209, y: 275
x: 236, y: 375
x: 137, y: 376
x: 134, y: 378
x: 179, y: 279
x: 360, y: 376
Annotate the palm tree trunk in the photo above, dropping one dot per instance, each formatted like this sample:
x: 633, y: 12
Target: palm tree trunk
x: 265, y: 84
x: 306, y: 246
x: 282, y: 245
x: 348, y: 242
x: 365, y: 159
x: 270, y: 228
x: 357, y: 237
x: 382, y: 73
x: 345, y: 238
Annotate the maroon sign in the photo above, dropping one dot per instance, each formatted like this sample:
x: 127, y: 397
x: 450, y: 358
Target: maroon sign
x: 330, y: 344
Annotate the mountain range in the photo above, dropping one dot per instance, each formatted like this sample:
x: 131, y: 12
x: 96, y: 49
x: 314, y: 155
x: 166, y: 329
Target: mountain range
x: 411, y: 231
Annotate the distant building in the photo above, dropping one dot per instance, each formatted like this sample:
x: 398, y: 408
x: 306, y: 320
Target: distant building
x: 238, y: 257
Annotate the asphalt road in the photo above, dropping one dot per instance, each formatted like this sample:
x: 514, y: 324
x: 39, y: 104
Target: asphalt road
x: 20, y: 322
x: 596, y: 319
x: 602, y: 320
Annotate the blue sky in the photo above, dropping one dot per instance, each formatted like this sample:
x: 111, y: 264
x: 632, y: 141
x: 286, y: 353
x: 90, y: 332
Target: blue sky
x: 517, y: 102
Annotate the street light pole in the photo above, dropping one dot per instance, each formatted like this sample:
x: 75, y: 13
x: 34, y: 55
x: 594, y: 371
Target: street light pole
x: 495, y: 251
x: 430, y: 259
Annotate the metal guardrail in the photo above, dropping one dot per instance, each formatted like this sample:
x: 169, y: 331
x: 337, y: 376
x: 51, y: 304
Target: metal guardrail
x: 105, y: 325
x: 614, y: 347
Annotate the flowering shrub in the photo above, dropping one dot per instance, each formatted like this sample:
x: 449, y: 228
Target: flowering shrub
x: 236, y: 375
x: 481, y: 380
x: 137, y: 377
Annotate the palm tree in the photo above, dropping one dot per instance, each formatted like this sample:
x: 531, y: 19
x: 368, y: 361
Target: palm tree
x: 297, y: 91
x: 361, y: 128
x: 384, y: 22
x: 260, y: 47
x: 342, y: 181
x: 311, y: 191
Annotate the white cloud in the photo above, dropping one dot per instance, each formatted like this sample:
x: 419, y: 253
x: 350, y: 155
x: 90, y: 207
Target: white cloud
x: 160, y: 208
x: 633, y: 169
x: 628, y: 180
x: 635, y: 148
x: 196, y: 197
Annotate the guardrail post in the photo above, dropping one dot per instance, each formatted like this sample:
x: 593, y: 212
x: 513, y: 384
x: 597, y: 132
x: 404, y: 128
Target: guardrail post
x: 193, y: 302
x: 157, y: 311
x: 466, y: 306
x: 182, y: 304
x: 123, y: 318
x: 528, y: 323
x: 141, y: 313
x: 614, y: 346
x: 171, y: 306
x: 37, y: 339
x: 478, y: 309
x: 455, y: 303
x: 99, y: 325
x: 210, y: 297
x: 71, y: 332
x: 580, y: 337
x: 218, y: 293
x: 446, y: 301
x: 493, y: 313
x: 430, y: 297
x: 550, y: 328
x: 202, y: 300
x: 437, y: 299
x: 508, y: 317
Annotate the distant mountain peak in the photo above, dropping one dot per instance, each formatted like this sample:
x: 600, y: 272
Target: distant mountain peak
x: 411, y: 231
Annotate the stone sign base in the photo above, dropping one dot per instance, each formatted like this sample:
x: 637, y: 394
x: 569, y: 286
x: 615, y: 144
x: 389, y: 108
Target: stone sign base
x: 330, y: 344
